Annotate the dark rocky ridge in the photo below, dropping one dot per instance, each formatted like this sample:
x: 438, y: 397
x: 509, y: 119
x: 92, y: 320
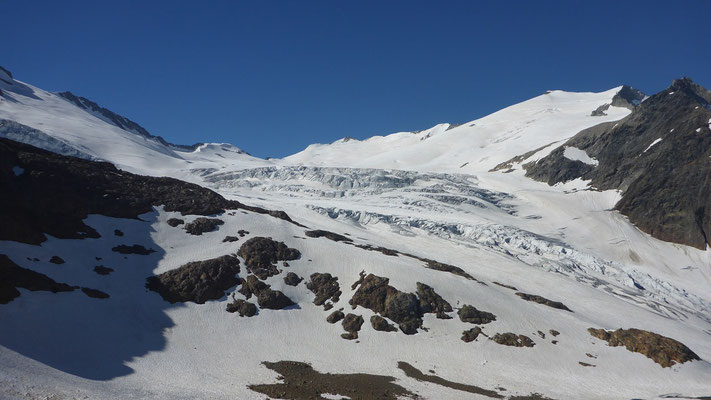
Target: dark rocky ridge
x: 663, y: 350
x: 260, y: 254
x: 56, y: 193
x: 666, y: 187
x: 12, y: 276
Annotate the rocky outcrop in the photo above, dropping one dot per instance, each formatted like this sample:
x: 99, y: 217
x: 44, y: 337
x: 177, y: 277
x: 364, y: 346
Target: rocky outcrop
x: 661, y: 349
x: 292, y: 279
x: 230, y: 239
x: 657, y: 156
x: 351, y: 324
x: 473, y: 316
x: 12, y: 277
x: 133, y: 249
x: 431, y: 302
x: 95, y: 294
x: 260, y: 255
x: 242, y: 307
x: 512, y: 339
x: 273, y: 300
x: 328, y: 235
x: 542, y: 300
x: 335, y: 317
x: 174, y: 222
x: 324, y: 287
x: 197, y: 281
x: 56, y: 260
x: 252, y: 286
x: 101, y: 270
x: 375, y: 294
x: 201, y: 225
x: 56, y: 193
x: 470, y: 335
x: 381, y: 324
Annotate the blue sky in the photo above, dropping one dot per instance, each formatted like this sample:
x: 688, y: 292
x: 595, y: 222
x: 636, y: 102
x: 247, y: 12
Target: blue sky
x: 274, y: 76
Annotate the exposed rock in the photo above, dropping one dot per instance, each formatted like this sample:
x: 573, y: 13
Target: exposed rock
x: 415, y: 373
x: 542, y: 300
x: 292, y: 279
x: 325, y: 287
x: 174, y: 222
x: 661, y: 349
x: 260, y: 255
x: 470, y: 335
x: 81, y: 187
x: 381, y: 324
x: 584, y: 364
x: 512, y: 339
x: 328, y: 235
x: 600, y: 111
x: 300, y: 381
x: 12, y: 276
x: 242, y: 233
x: 96, y: 294
x: 118, y: 232
x: 202, y: 225
x: 541, y: 334
x: 470, y: 314
x: 252, y: 286
x: 230, y: 239
x: 385, y: 251
x: 273, y: 299
x: 335, y: 317
x: 101, y: 270
x: 56, y: 260
x: 135, y: 249
x: 244, y: 308
x: 431, y: 302
x: 197, y: 281
x: 351, y: 324
x: 506, y: 286
x: 554, y: 332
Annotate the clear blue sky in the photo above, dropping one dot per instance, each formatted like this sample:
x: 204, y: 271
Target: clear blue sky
x: 274, y: 76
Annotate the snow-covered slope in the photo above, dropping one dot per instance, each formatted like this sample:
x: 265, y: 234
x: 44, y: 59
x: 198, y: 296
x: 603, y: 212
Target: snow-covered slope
x: 429, y: 200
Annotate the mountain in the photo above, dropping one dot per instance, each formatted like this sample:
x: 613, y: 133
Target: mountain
x: 516, y: 256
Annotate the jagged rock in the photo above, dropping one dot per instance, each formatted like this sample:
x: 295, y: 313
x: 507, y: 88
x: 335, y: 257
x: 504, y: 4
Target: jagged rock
x: 328, y: 235
x: 252, y: 286
x: 93, y: 293
x: 554, y: 332
x: 118, y: 232
x: 351, y: 324
x: 197, y: 281
x: 335, y: 317
x: 202, y: 225
x: 56, y: 260
x: 260, y: 255
x: 81, y: 187
x: 242, y: 233
x: 135, y: 249
x: 506, y: 286
x: 325, y: 287
x: 12, y: 276
x: 542, y: 300
x: 470, y: 335
x: 292, y: 279
x: 661, y: 349
x: 244, y: 308
x: 381, y: 324
x: 230, y: 239
x: 470, y: 314
x: 431, y: 302
x: 273, y: 299
x: 174, y: 222
x: 512, y: 339
x: 101, y: 270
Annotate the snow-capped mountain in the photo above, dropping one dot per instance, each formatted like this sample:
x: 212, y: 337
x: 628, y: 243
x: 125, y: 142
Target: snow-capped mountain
x: 413, y: 265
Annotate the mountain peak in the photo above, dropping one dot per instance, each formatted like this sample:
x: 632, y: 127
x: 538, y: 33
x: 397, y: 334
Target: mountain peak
x: 685, y: 84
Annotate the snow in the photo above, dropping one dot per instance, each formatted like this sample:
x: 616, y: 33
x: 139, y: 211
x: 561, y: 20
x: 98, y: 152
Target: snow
x: 17, y: 170
x: 698, y: 130
x: 404, y: 191
x: 652, y: 144
x: 575, y: 154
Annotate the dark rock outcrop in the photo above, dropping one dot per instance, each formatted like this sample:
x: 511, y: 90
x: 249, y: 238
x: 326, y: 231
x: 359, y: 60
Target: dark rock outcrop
x: 273, y: 300
x: 230, y: 239
x: 101, y: 270
x: 328, y: 235
x: 375, y: 294
x: 473, y: 316
x: 542, y: 300
x: 335, y: 317
x: 56, y: 260
x: 325, y: 287
x: 134, y: 249
x: 118, y: 232
x: 244, y: 308
x: 12, y: 276
x: 292, y: 279
x: 661, y: 349
x: 470, y: 335
x: 252, y: 286
x: 202, y: 225
x: 512, y: 339
x: 261, y: 254
x: 351, y: 324
x: 431, y: 302
x: 197, y: 281
x: 95, y: 294
x: 657, y: 156
x: 56, y: 193
x: 174, y: 222
x: 381, y: 324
